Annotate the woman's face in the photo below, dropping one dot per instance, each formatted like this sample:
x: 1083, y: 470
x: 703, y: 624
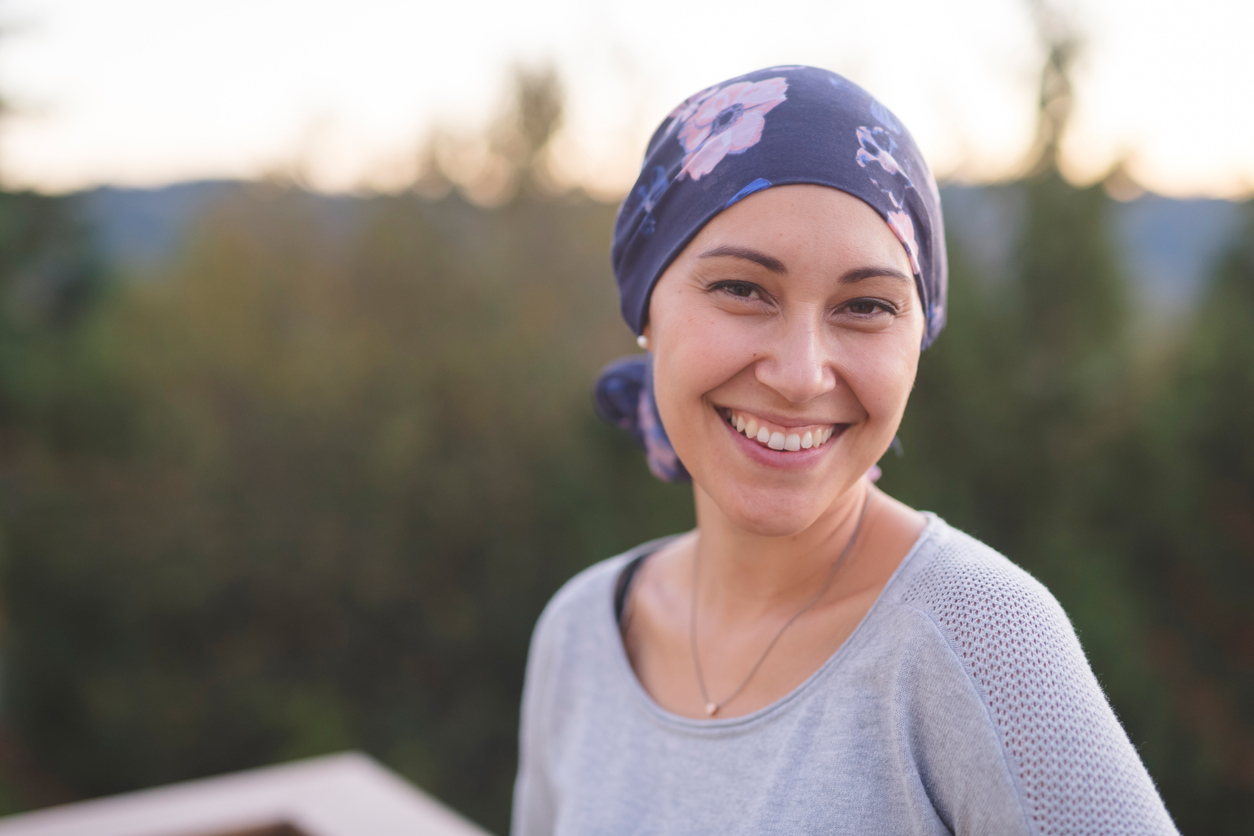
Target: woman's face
x: 792, y: 316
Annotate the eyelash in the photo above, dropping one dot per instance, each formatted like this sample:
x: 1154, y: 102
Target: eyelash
x: 731, y: 287
x: 728, y: 286
x: 882, y: 305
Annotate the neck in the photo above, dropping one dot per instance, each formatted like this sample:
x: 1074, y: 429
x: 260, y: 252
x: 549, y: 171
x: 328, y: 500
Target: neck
x: 750, y: 574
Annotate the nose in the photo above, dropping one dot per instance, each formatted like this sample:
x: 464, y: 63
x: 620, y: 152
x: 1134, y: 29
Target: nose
x: 798, y: 364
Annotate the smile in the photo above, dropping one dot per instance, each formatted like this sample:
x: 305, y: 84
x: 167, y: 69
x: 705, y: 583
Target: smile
x: 777, y: 437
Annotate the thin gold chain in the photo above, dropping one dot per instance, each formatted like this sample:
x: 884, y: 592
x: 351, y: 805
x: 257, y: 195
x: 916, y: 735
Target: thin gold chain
x: 712, y: 708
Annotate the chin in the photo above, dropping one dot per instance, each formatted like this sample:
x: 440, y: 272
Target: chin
x: 769, y: 513
x: 761, y: 526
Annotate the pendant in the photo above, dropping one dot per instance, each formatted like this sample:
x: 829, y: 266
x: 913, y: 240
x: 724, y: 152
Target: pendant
x: 710, y: 709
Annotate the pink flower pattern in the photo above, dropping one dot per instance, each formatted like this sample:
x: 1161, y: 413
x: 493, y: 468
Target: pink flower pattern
x: 725, y: 121
x: 867, y: 141
x: 683, y: 112
x: 903, y: 228
x: 876, y: 145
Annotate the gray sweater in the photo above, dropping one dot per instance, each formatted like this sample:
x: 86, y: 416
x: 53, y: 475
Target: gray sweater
x: 961, y: 704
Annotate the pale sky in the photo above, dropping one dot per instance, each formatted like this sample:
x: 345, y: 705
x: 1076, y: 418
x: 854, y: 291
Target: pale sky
x: 146, y: 92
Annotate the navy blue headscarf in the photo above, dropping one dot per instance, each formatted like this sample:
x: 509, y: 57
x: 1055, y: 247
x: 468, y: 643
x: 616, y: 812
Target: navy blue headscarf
x: 773, y: 127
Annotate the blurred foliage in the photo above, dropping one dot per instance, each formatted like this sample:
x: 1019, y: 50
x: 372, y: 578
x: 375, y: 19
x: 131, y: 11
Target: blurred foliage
x: 352, y: 468
x: 310, y: 489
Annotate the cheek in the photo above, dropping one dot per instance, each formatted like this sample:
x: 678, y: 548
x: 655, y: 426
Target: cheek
x: 695, y: 354
x: 881, y: 370
x: 881, y: 378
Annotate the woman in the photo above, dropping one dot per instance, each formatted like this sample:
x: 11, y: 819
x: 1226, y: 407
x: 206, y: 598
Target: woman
x: 815, y: 657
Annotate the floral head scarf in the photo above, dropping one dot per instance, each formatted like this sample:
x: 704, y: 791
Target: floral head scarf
x: 773, y: 127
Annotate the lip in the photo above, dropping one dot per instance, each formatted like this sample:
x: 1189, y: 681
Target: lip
x: 778, y: 420
x: 782, y: 459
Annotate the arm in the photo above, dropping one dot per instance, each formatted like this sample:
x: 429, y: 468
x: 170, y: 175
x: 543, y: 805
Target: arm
x: 533, y: 811
x: 1069, y: 760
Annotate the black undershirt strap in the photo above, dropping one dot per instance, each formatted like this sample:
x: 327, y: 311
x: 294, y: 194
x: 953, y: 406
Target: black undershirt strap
x: 623, y: 587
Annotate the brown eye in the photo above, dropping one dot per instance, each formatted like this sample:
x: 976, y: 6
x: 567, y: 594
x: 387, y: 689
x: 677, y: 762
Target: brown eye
x: 741, y: 290
x: 864, y: 307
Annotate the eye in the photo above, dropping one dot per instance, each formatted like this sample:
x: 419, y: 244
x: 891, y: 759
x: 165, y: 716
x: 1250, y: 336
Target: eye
x: 738, y: 289
x: 869, y: 307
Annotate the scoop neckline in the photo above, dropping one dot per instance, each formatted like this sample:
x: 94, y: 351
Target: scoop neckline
x: 724, y: 726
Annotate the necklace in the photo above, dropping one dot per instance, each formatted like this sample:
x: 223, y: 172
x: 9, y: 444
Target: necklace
x: 711, y: 707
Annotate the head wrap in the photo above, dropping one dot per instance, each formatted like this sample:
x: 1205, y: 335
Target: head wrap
x: 773, y: 127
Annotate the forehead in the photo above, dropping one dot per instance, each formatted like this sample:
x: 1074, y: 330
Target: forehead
x: 806, y: 227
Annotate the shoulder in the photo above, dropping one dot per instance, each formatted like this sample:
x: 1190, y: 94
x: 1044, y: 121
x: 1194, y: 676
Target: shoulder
x: 964, y: 585
x: 573, y: 618
x: 1069, y: 756
x: 1008, y: 632
x: 590, y: 593
x: 568, y: 647
x: 572, y: 651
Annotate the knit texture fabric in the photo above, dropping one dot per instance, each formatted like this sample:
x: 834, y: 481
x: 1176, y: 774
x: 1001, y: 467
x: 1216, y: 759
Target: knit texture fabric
x: 962, y: 703
x: 1049, y: 711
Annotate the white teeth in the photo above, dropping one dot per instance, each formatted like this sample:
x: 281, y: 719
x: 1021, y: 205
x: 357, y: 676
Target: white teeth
x: 764, y: 435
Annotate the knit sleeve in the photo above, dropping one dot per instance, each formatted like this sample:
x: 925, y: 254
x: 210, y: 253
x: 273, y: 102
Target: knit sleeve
x: 1075, y: 770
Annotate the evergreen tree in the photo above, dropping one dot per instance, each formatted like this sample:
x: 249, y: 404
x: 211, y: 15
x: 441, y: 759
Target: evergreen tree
x: 1190, y: 518
x: 51, y: 278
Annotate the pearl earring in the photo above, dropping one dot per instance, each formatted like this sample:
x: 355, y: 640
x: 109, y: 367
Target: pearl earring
x: 643, y: 342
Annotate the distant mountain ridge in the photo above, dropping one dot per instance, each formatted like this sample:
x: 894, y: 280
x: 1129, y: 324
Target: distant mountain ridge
x: 1169, y: 246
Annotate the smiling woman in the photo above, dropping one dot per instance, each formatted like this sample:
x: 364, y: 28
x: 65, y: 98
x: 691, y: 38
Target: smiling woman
x: 814, y: 657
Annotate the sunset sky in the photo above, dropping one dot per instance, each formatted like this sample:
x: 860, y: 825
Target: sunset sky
x: 145, y: 92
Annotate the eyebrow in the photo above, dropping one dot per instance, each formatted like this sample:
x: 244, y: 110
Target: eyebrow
x: 860, y: 273
x: 769, y: 262
x: 776, y: 266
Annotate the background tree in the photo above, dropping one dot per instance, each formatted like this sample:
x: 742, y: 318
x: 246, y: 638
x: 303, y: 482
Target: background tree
x: 1189, y: 493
